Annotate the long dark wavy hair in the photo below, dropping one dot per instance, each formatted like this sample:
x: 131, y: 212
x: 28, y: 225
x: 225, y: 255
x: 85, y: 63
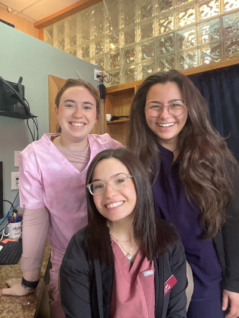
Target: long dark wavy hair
x: 71, y: 82
x: 155, y: 234
x: 204, y: 153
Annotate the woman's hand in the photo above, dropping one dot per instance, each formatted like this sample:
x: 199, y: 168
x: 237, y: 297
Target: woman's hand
x: 231, y: 300
x: 15, y: 288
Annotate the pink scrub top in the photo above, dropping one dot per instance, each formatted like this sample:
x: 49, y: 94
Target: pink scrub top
x: 133, y: 294
x: 48, y: 179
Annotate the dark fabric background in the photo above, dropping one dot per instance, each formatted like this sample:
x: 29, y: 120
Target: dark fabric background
x: 221, y: 90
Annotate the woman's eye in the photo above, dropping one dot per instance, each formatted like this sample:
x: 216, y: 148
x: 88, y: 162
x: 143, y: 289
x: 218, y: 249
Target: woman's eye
x: 87, y: 107
x: 176, y: 105
x: 69, y: 106
x: 120, y: 181
x: 98, y: 186
x: 155, y: 107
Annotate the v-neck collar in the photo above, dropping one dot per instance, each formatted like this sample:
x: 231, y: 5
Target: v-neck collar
x: 60, y: 156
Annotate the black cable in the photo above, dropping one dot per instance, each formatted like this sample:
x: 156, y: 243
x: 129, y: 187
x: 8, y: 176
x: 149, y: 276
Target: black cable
x: 15, y: 197
x: 34, y: 121
x: 30, y: 130
x: 33, y: 128
x: 9, y: 202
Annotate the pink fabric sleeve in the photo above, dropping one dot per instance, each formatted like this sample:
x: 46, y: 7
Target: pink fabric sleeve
x: 34, y: 234
x: 116, y: 144
x: 30, y: 183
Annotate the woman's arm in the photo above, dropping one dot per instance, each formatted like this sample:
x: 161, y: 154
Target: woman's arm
x: 230, y: 234
x: 178, y: 301
x: 34, y: 234
x: 75, y: 284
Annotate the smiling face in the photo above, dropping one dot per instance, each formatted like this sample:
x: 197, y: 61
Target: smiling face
x: 76, y: 113
x: 165, y: 126
x: 114, y: 205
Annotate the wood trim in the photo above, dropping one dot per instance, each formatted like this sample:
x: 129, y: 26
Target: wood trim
x: 195, y: 70
x: 77, y: 7
x: 41, y: 34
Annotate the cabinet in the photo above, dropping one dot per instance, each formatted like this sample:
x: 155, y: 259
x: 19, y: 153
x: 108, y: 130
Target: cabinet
x: 118, y: 100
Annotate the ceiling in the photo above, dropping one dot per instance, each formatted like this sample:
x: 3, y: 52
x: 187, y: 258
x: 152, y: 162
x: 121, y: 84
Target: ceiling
x: 35, y: 10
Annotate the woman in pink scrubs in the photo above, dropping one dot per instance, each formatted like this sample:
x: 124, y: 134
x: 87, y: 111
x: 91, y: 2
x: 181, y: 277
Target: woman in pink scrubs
x: 126, y: 263
x: 52, y: 186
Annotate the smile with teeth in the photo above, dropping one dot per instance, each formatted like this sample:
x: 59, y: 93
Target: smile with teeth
x: 77, y: 124
x: 114, y: 205
x: 166, y: 125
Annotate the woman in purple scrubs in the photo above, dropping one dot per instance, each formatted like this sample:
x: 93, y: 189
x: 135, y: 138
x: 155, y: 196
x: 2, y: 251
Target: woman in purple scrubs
x: 194, y: 180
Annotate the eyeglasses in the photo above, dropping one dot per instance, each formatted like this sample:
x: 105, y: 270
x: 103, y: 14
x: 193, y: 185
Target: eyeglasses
x: 118, y: 182
x: 174, y: 109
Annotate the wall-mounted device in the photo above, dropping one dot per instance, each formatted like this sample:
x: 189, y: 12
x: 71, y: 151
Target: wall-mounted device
x: 12, y: 100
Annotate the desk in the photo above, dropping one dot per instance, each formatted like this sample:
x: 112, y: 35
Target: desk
x: 25, y: 306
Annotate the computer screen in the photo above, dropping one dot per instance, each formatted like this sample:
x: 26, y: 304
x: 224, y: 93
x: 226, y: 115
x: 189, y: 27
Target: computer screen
x: 1, y: 191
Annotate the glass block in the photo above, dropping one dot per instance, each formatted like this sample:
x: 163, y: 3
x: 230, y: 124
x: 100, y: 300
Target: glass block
x: 146, y: 69
x: 164, y: 24
x: 97, y: 20
x: 112, y: 60
x: 115, y: 77
x: 230, y: 24
x: 127, y: 13
x: 71, y: 39
x: 186, y: 16
x: 48, y: 34
x: 146, y: 50
x: 60, y: 43
x: 145, y: 9
x: 164, y: 5
x: 127, y: 36
x: 187, y: 59
x: 165, y: 63
x: 112, y: 23
x: 111, y: 42
x: 129, y: 55
x: 209, y: 31
x: 179, y: 2
x: 97, y: 27
x: 208, y: 9
x: 186, y: 38
x: 98, y: 60
x: 59, y: 28
x: 229, y: 5
x: 165, y: 44
x: 72, y: 51
x: 145, y: 30
x: 210, y: 53
x: 85, y: 50
x: 129, y: 74
x: 231, y: 48
x: 70, y: 23
x: 97, y: 46
x: 83, y: 29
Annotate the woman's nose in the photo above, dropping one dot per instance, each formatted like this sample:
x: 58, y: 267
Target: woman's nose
x: 165, y: 112
x: 109, y: 191
x: 78, y: 112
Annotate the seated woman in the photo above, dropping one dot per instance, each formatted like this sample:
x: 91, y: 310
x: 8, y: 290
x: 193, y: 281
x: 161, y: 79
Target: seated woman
x: 126, y: 262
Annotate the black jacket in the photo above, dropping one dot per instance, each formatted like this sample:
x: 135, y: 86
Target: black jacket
x: 86, y: 286
x: 227, y: 240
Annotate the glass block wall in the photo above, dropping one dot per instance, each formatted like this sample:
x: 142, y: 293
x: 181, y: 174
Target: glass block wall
x: 145, y: 36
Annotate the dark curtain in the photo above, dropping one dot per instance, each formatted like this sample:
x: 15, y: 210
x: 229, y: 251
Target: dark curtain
x: 221, y: 89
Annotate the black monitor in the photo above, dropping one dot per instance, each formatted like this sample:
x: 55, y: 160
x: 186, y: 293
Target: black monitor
x: 12, y: 100
x: 1, y: 191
